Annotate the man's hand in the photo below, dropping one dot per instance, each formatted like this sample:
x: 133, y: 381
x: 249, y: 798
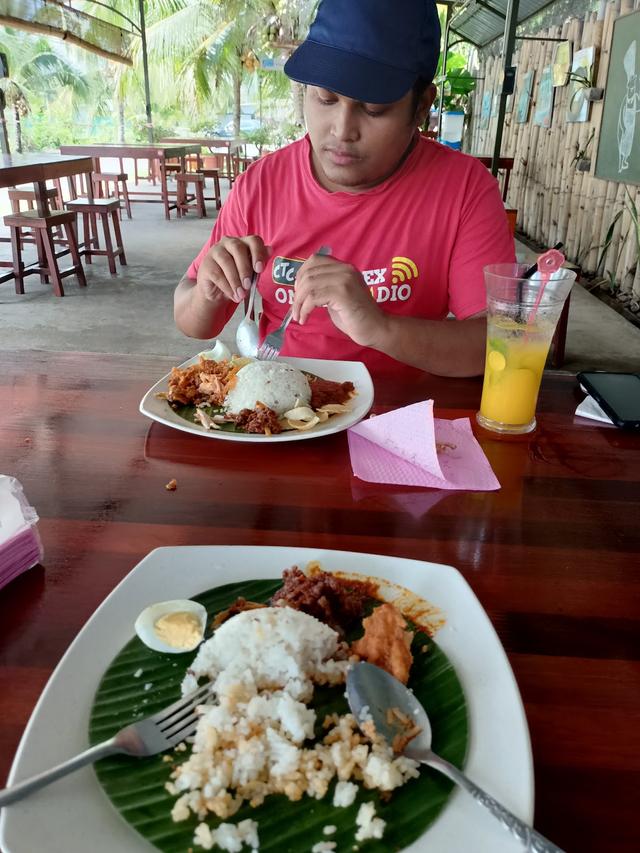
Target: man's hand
x: 324, y: 282
x: 227, y: 268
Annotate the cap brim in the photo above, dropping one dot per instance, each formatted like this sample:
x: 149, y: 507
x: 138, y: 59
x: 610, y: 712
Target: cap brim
x: 348, y: 73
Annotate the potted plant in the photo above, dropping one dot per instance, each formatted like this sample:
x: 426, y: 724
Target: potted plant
x: 455, y: 88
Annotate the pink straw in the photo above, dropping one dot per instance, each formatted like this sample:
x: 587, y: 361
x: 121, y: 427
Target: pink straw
x: 548, y: 263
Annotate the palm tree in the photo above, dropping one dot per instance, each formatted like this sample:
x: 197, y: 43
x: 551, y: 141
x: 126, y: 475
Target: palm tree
x: 207, y: 43
x: 38, y: 73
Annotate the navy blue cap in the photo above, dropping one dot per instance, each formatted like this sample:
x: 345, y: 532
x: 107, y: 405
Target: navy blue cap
x: 369, y: 50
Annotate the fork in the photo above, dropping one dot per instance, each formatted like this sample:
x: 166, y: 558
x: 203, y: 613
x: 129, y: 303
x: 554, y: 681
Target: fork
x: 270, y: 348
x: 155, y: 734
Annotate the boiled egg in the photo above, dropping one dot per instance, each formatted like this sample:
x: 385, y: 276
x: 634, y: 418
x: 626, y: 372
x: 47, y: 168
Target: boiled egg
x: 172, y: 626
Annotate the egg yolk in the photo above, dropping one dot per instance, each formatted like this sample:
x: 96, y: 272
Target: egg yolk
x: 179, y: 630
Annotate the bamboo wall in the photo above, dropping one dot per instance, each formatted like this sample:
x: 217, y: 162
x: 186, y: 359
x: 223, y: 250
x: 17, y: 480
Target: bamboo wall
x: 555, y: 201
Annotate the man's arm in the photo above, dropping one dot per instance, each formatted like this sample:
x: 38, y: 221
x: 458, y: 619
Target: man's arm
x: 443, y: 347
x: 198, y: 315
x: 202, y: 306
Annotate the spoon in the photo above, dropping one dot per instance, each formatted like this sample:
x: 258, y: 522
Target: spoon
x: 372, y: 693
x: 247, y: 335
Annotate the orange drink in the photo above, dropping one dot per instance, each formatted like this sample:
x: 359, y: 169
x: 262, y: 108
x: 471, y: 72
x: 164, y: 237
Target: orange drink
x: 513, y: 370
x: 520, y: 326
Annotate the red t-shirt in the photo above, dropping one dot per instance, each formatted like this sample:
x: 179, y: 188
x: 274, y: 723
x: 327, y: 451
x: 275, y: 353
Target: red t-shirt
x: 420, y: 239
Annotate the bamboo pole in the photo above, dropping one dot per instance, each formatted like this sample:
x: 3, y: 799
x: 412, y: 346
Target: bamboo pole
x: 65, y: 35
x: 574, y: 180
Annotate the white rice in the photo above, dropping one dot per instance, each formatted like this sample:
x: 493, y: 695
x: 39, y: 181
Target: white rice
x: 274, y: 383
x: 264, y: 664
x: 369, y: 826
x: 227, y: 836
x: 344, y: 794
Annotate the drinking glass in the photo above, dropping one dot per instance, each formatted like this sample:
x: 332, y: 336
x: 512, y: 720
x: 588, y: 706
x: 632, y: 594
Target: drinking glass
x: 522, y: 314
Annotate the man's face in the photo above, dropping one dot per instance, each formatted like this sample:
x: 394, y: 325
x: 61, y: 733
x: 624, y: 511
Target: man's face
x: 357, y: 145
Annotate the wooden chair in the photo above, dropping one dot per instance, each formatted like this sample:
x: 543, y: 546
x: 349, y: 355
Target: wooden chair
x: 103, y: 209
x: 102, y: 182
x: 43, y: 227
x: 505, y: 165
x: 555, y: 358
x: 214, y: 174
x: 185, y: 200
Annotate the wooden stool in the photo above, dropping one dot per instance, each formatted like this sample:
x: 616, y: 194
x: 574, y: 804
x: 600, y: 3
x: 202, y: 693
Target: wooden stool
x: 91, y: 210
x: 193, y: 162
x: 43, y: 229
x: 215, y: 175
x: 22, y: 196
x: 19, y: 194
x: 184, y: 197
x: 101, y: 182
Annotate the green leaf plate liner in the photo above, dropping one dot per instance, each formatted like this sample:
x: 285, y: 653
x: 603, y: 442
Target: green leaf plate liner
x: 136, y: 786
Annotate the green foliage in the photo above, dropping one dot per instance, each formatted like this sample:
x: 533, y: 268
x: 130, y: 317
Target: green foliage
x: 260, y: 137
x: 42, y: 132
x: 581, y: 153
x: 458, y: 82
x: 198, y: 65
x: 607, y: 272
x: 287, y: 132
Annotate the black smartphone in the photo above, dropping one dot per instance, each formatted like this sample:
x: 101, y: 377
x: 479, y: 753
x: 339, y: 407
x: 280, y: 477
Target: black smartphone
x: 617, y: 394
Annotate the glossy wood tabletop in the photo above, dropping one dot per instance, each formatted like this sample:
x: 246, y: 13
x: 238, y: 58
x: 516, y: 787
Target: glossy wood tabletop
x: 552, y: 555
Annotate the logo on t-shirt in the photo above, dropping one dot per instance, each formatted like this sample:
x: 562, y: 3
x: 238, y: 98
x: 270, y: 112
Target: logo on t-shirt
x: 286, y: 269
x: 403, y: 271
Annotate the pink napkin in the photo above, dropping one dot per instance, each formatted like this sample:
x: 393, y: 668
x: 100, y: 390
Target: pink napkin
x: 400, y: 447
x: 20, y: 545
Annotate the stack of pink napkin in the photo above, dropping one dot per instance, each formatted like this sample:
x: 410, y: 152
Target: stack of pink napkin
x: 410, y: 447
x: 20, y: 545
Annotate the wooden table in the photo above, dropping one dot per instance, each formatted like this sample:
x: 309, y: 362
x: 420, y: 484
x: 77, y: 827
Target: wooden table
x: 552, y: 556
x: 139, y: 151
x: 225, y: 147
x: 37, y: 169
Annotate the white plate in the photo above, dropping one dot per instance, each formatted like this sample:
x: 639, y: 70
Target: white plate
x: 62, y: 817
x: 338, y: 371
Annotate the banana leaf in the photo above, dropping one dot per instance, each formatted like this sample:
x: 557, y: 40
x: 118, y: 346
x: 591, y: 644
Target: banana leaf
x: 140, y: 682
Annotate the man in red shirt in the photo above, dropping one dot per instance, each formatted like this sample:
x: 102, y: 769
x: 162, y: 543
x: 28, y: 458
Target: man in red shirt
x: 410, y: 223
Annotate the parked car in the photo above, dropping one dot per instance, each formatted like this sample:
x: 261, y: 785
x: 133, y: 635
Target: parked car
x: 225, y: 127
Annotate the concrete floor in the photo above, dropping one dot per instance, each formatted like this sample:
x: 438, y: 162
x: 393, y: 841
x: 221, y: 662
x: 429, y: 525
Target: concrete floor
x: 132, y: 312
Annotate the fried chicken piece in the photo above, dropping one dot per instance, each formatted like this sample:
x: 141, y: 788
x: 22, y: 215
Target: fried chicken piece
x: 386, y: 642
x: 207, y: 381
